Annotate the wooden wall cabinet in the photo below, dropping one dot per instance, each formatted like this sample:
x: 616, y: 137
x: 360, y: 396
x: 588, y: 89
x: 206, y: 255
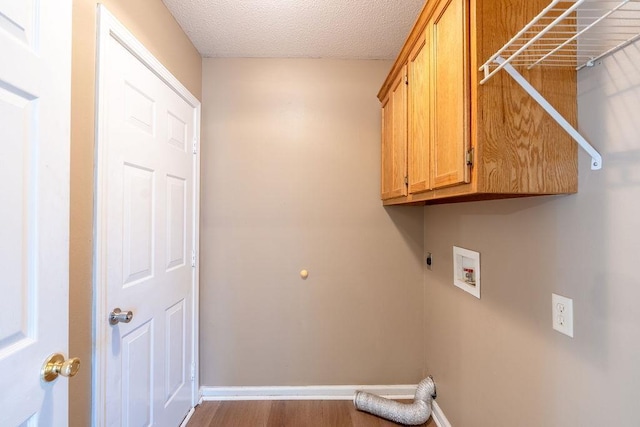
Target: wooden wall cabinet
x: 419, y: 117
x: 446, y: 138
x: 394, y: 139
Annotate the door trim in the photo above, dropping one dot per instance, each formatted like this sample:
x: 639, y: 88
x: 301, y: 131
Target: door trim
x: 109, y: 26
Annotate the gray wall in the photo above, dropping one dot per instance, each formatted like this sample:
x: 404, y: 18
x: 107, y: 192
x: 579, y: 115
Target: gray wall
x: 497, y: 361
x: 290, y: 181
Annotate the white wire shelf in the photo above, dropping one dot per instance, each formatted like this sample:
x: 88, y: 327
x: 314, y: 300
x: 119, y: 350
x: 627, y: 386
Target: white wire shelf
x: 570, y: 34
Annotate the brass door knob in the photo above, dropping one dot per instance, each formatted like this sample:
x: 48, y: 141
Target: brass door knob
x: 56, y: 365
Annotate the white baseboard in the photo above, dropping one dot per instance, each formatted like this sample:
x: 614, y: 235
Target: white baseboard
x: 338, y: 392
x: 438, y: 415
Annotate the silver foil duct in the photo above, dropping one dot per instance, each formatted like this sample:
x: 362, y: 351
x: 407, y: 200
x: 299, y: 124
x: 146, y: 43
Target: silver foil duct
x: 412, y: 414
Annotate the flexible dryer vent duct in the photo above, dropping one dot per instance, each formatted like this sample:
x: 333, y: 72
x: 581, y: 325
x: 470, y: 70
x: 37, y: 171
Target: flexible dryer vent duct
x: 412, y: 414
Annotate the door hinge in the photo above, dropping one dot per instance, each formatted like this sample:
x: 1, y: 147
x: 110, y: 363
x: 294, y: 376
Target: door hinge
x: 406, y: 79
x: 193, y: 258
x: 195, y: 146
x: 470, y: 157
x: 193, y: 371
x: 406, y: 181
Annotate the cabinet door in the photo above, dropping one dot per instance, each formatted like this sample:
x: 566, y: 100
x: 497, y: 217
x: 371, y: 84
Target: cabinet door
x: 394, y: 139
x: 419, y: 93
x: 450, y: 108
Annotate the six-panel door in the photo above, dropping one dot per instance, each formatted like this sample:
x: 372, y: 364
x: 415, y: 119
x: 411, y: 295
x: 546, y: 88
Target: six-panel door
x: 35, y: 79
x: 148, y: 204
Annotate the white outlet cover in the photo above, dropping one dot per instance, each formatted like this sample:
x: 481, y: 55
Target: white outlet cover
x: 562, y: 314
x: 466, y: 270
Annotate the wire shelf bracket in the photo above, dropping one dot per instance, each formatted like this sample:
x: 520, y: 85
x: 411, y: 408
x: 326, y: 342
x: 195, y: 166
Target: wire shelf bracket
x: 596, y: 158
x: 571, y: 34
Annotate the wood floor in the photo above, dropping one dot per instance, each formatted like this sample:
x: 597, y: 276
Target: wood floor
x: 285, y: 413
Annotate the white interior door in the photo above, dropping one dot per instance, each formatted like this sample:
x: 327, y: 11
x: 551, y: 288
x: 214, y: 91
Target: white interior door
x: 35, y: 78
x: 146, y: 202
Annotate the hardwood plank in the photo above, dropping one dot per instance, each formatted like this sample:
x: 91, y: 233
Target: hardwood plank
x: 204, y: 414
x: 336, y: 413
x: 313, y: 413
x: 242, y: 414
x: 286, y: 413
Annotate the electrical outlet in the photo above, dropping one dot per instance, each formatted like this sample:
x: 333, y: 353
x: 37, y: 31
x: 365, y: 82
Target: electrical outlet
x: 562, y: 311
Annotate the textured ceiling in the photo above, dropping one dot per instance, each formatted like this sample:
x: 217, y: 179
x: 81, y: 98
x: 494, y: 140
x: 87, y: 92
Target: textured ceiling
x: 362, y: 29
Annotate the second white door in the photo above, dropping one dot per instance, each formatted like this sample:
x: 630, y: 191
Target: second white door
x: 146, y: 201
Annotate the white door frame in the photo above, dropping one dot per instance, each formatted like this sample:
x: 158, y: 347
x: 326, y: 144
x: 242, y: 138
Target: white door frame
x: 109, y: 26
